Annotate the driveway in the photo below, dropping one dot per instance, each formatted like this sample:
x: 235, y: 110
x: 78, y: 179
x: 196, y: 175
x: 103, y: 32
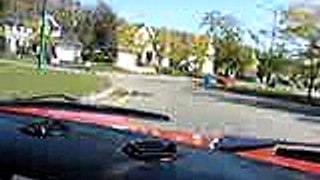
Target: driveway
x: 208, y: 111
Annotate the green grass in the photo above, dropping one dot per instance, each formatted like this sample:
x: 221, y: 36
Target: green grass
x: 102, y: 67
x: 22, y: 81
x: 107, y: 67
x: 252, y: 87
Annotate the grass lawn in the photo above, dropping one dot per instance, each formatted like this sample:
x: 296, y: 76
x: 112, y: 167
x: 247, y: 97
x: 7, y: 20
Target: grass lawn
x: 275, y: 93
x: 107, y: 67
x: 22, y: 81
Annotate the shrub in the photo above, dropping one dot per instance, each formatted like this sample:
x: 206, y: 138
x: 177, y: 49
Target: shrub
x: 165, y: 70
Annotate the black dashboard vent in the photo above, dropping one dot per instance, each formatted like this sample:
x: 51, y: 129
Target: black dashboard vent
x: 45, y: 128
x: 151, y: 150
x: 307, y: 153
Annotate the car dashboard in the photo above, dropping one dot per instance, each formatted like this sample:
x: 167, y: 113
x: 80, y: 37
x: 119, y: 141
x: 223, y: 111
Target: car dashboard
x: 37, y: 147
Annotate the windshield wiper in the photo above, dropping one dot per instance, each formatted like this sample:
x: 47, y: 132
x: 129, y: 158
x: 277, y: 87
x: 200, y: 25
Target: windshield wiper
x: 64, y: 97
x: 308, y: 153
x: 66, y: 100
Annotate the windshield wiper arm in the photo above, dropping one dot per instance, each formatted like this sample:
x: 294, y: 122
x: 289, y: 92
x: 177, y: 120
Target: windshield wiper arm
x: 63, y: 96
x: 75, y: 102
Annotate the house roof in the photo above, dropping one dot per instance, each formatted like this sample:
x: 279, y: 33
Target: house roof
x: 10, y: 20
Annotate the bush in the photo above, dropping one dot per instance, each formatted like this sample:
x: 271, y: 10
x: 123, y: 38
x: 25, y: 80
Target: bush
x: 164, y: 70
x: 173, y: 72
x: 100, y: 57
x: 178, y: 73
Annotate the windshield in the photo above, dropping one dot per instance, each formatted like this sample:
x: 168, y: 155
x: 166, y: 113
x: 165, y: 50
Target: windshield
x: 240, y: 68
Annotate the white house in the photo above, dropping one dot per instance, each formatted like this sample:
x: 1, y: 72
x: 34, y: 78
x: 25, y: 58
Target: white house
x: 165, y: 62
x: 68, y: 49
x: 190, y: 64
x: 56, y: 29
x: 148, y: 55
x: 66, y: 52
x: 139, y: 62
x: 147, y: 59
x: 208, y: 65
x: 17, y: 35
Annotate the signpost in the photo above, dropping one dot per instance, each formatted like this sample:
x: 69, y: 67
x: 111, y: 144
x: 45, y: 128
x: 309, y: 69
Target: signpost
x: 43, y: 46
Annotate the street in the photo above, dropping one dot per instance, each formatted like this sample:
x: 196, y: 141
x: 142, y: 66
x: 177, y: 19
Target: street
x: 208, y: 111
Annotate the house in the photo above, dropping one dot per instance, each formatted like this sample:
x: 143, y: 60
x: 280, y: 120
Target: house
x: 146, y: 58
x: 66, y: 52
x: 208, y: 64
x: 140, y: 62
x: 63, y: 48
x: 17, y: 35
x: 148, y: 55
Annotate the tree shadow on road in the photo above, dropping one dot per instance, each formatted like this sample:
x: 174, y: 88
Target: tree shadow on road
x: 311, y: 113
x: 315, y: 120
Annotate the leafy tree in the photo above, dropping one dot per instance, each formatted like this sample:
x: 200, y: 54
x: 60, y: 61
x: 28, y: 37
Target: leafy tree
x: 2, y: 8
x: 247, y: 60
x: 127, y: 35
x: 174, y: 45
x: 94, y: 28
x: 226, y: 39
x: 66, y: 18
x: 85, y: 29
x: 303, y: 24
x: 105, y: 24
x: 199, y: 50
x: 178, y: 49
x: 269, y: 52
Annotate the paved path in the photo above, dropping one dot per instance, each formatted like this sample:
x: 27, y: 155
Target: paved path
x: 207, y: 111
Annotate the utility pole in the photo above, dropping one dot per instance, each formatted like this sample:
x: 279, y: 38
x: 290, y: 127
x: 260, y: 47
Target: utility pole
x: 270, y: 49
x: 43, y: 45
x: 274, y: 30
x: 275, y: 22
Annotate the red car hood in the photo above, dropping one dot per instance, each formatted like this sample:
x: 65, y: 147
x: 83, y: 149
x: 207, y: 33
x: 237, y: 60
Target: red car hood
x: 261, y: 150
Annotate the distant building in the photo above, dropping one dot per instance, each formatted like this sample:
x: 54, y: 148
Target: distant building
x: 148, y: 54
x: 140, y: 62
x: 16, y: 35
x: 67, y: 52
x: 208, y: 65
x: 147, y: 58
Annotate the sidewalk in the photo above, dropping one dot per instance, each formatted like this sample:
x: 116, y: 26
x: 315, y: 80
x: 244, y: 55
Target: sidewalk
x: 112, y: 96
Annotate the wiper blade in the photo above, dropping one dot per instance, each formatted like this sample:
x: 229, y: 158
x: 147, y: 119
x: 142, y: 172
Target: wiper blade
x: 308, y: 153
x: 64, y: 97
x: 54, y: 100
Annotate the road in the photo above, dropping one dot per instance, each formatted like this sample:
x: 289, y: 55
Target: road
x: 215, y: 110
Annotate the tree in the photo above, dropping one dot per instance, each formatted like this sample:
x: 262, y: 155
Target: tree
x: 247, y: 60
x: 199, y: 49
x: 66, y: 18
x: 178, y: 49
x: 269, y: 52
x: 94, y: 28
x: 226, y: 39
x: 85, y: 29
x: 105, y: 24
x: 127, y: 34
x: 303, y: 24
x: 2, y: 8
x: 155, y: 42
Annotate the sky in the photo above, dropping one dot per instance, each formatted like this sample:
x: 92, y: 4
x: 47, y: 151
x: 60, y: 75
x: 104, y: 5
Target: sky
x: 186, y: 15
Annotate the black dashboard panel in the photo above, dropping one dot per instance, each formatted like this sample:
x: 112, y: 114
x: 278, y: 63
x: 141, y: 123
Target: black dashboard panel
x: 86, y: 151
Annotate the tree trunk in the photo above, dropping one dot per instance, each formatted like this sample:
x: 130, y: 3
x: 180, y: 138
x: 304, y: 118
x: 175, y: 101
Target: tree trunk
x: 310, y: 88
x: 268, y: 78
x: 312, y: 79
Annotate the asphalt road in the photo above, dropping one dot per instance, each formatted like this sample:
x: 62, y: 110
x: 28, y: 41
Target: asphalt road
x: 214, y: 110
